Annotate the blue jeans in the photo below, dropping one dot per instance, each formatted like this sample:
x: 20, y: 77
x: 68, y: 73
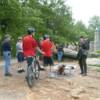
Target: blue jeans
x: 60, y: 55
x: 7, y: 59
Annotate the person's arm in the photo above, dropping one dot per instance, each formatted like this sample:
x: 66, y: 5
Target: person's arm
x: 40, y: 50
x: 35, y: 44
x: 1, y: 49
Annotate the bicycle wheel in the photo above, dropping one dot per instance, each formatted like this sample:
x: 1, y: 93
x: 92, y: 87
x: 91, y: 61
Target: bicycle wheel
x: 36, y: 69
x: 30, y: 76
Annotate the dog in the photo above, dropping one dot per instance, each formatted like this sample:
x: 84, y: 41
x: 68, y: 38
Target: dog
x: 66, y: 69
x: 61, y: 69
x: 69, y: 70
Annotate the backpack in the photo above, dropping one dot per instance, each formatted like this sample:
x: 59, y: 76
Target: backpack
x: 86, y: 45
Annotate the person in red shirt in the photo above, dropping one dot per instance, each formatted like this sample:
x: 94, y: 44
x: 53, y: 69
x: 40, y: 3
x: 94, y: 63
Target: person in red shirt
x: 46, y: 46
x: 30, y: 46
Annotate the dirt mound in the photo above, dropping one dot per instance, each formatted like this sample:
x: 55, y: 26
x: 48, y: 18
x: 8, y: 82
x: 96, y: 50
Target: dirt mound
x: 62, y: 88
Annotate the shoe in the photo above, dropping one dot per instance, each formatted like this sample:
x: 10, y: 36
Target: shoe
x: 20, y: 70
x: 8, y: 74
x: 42, y: 69
x: 81, y: 73
x: 26, y: 78
x: 85, y: 74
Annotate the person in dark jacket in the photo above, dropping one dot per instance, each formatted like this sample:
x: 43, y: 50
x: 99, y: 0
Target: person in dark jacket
x: 60, y: 52
x: 82, y: 55
x: 6, y: 49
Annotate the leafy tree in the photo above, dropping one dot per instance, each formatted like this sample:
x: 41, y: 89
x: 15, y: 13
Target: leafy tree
x: 94, y: 23
x: 10, y: 13
x: 51, y: 17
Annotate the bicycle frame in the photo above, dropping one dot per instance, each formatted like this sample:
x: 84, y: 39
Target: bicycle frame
x: 32, y: 70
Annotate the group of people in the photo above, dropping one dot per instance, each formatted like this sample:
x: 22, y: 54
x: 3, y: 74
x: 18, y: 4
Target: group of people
x: 27, y: 46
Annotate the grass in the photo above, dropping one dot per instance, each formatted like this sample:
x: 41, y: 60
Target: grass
x: 95, y: 67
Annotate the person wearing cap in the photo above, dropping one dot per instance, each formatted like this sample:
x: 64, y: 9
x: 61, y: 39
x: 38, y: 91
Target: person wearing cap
x: 20, y: 55
x: 46, y: 47
x: 30, y: 46
x: 6, y: 49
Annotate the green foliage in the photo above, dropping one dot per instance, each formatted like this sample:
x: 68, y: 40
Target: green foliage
x: 79, y: 29
x: 94, y: 25
x: 51, y: 17
x: 98, y: 51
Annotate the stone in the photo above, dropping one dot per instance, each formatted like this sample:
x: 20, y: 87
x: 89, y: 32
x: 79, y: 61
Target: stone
x: 76, y: 92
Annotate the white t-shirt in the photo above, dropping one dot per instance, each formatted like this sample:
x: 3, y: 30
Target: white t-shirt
x: 19, y: 47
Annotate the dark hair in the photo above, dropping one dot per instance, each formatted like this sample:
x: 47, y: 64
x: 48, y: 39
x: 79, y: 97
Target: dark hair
x: 30, y: 30
x: 45, y: 37
x: 19, y: 38
x: 6, y: 36
x: 81, y: 36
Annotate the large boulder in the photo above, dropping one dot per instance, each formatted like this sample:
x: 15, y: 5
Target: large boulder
x: 70, y: 53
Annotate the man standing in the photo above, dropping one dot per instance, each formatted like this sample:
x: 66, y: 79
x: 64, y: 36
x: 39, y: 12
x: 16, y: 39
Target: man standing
x: 6, y: 49
x: 82, y: 55
x: 46, y: 47
x: 20, y: 55
x: 30, y: 45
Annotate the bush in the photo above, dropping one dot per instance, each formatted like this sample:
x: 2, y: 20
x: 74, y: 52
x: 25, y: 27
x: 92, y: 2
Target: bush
x: 98, y: 51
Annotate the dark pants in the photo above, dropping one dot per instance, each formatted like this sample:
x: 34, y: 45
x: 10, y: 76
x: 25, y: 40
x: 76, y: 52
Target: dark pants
x: 47, y: 61
x: 83, y: 65
x: 29, y: 60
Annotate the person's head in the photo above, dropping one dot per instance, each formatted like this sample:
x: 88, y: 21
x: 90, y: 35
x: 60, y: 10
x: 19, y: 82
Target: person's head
x: 7, y: 36
x: 41, y: 39
x: 46, y: 37
x: 31, y: 31
x: 81, y: 37
x: 19, y: 38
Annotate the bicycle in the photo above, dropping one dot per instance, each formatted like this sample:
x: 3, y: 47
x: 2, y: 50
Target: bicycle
x: 32, y: 70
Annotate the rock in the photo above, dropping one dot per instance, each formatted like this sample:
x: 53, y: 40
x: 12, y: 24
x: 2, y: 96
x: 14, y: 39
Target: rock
x: 70, y: 53
x: 76, y: 93
x: 93, y: 61
x: 97, y: 99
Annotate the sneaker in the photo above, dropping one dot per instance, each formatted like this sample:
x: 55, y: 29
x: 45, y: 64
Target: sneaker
x: 81, y: 73
x: 85, y: 74
x: 42, y: 69
x: 8, y: 74
x: 21, y: 70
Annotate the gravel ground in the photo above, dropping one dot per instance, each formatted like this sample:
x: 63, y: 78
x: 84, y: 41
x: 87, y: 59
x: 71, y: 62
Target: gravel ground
x: 76, y: 87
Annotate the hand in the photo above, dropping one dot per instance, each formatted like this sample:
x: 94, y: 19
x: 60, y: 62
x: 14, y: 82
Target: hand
x: 43, y: 53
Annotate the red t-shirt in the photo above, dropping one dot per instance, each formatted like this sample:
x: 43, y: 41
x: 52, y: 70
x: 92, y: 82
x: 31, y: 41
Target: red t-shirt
x: 29, y: 46
x: 46, y: 46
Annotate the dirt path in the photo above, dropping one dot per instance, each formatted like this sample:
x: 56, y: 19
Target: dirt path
x: 63, y: 88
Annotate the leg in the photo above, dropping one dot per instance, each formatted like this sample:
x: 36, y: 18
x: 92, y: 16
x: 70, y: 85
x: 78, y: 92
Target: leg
x: 50, y: 62
x: 85, y: 66
x: 59, y: 56
x: 20, y: 58
x: 7, y: 59
x: 81, y: 65
x: 45, y: 64
x: 29, y: 62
